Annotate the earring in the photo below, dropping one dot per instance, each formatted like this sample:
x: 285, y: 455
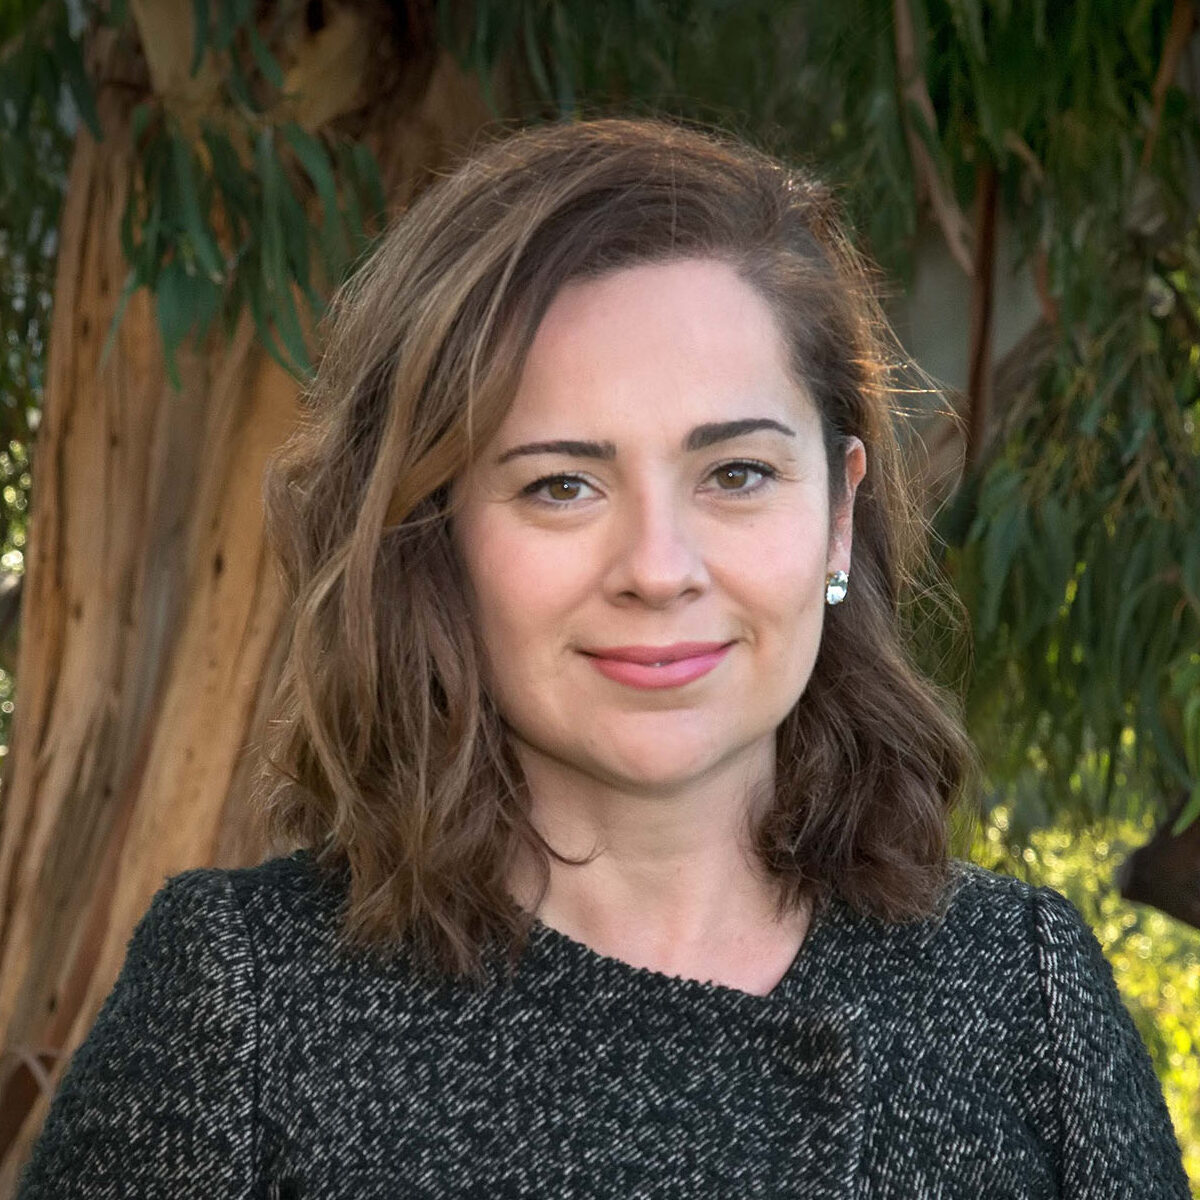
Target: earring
x: 836, y: 584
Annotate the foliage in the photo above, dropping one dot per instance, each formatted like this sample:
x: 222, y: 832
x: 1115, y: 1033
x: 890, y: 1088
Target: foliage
x: 1155, y: 958
x: 217, y: 218
x: 35, y: 137
x: 1074, y: 545
x: 219, y: 222
x: 169, y: 237
x: 42, y: 87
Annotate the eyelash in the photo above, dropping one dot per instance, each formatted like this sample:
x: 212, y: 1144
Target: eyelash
x: 769, y: 473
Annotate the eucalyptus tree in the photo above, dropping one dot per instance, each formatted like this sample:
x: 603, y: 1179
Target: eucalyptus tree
x: 227, y: 166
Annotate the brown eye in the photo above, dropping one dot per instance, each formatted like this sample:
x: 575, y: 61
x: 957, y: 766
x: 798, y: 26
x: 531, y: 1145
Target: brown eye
x: 555, y: 491
x: 732, y: 477
x: 561, y: 488
x: 735, y: 475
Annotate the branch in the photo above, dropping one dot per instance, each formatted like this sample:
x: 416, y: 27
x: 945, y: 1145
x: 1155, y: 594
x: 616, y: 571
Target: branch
x: 928, y: 180
x: 166, y: 30
x: 979, y: 385
x: 1041, y: 280
x: 1183, y: 18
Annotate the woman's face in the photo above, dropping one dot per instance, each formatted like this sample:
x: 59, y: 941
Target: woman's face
x: 659, y: 479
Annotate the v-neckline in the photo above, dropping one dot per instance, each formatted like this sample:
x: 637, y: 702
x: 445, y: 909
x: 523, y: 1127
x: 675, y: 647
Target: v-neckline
x: 591, y: 963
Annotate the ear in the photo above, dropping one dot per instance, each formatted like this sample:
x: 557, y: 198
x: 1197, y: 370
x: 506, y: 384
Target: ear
x: 842, y: 526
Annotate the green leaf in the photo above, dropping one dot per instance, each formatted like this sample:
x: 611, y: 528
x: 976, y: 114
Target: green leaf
x: 239, y: 85
x: 564, y: 64
x: 366, y: 169
x: 200, y: 24
x: 173, y: 305
x: 267, y: 63
x: 129, y: 218
x: 194, y: 221
x: 295, y: 227
x: 139, y: 121
x: 232, y: 178
x: 206, y: 304
x: 70, y: 61
x: 226, y: 25
x: 144, y: 255
x: 1151, y: 718
x: 533, y: 56
x: 47, y: 81
x: 270, y: 229
x: 448, y: 35
x: 1191, y: 810
x: 184, y: 303
x: 287, y: 322
x: 1039, y: 23
x: 353, y: 210
x: 1005, y: 536
x: 970, y: 14
x: 272, y: 287
x: 316, y: 163
x: 481, y: 62
x: 131, y: 286
x: 257, y: 300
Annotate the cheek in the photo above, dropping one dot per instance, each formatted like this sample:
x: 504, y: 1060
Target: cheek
x: 522, y: 584
x: 779, y: 567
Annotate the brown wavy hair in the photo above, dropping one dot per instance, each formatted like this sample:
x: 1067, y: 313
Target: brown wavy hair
x: 385, y: 754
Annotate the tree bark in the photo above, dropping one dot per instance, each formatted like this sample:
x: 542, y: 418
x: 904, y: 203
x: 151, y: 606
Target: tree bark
x: 1165, y: 872
x: 152, y: 611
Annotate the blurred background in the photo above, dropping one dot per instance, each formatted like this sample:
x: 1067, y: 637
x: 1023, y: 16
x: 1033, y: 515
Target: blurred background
x: 184, y: 182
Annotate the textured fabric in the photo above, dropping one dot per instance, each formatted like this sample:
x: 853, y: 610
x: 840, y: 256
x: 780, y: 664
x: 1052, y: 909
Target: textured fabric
x: 984, y: 1052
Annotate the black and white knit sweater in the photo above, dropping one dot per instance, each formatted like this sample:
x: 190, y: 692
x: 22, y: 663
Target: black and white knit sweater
x: 985, y: 1053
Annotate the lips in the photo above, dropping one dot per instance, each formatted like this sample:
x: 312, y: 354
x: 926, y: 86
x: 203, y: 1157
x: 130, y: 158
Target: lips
x: 656, y: 667
x: 657, y: 655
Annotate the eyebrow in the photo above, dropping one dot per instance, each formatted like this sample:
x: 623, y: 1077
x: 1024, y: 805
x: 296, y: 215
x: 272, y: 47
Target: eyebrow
x: 697, y: 439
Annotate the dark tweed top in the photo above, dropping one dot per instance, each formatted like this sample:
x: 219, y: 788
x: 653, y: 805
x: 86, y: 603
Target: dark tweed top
x: 983, y: 1053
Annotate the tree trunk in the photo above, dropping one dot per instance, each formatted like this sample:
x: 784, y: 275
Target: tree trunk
x: 152, y: 611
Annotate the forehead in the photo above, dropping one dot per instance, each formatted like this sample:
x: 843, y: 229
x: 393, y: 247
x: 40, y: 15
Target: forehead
x: 657, y: 346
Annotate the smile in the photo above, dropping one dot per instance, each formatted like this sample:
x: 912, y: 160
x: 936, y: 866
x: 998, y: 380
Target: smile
x: 660, y: 674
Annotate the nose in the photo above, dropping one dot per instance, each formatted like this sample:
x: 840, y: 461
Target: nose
x: 656, y: 555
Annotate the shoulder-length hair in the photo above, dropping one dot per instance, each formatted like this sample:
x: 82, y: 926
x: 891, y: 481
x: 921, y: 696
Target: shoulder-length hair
x: 384, y: 753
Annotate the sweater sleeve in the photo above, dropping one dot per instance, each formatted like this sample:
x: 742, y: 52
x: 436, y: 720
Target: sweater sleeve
x: 1116, y: 1135
x: 159, y: 1099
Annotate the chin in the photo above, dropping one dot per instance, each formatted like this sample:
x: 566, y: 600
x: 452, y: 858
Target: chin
x: 655, y: 768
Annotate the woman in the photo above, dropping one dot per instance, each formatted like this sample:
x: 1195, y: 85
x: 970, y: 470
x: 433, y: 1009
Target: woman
x: 622, y: 812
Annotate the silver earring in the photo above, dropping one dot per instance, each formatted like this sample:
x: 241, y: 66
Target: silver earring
x: 836, y: 584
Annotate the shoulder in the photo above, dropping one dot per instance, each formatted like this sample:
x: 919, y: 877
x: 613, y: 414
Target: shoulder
x: 214, y: 922
x: 996, y: 930
x: 987, y: 929
x: 978, y: 901
x: 983, y: 905
x: 292, y: 878
x: 972, y: 886
x: 287, y: 893
x: 977, y: 909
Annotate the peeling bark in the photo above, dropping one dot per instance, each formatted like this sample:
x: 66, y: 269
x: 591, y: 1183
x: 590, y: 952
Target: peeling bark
x: 152, y: 610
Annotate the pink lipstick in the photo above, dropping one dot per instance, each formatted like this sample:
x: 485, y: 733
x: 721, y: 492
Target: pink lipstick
x: 658, y: 666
